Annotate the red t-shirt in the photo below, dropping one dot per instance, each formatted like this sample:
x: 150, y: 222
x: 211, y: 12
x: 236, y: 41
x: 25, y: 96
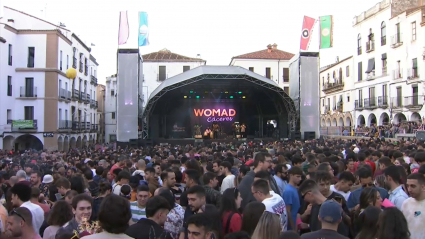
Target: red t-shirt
x: 112, y: 170
x: 371, y: 164
x: 235, y: 222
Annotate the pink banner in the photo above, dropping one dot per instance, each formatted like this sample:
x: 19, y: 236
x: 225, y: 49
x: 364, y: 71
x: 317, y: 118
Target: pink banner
x: 123, y: 30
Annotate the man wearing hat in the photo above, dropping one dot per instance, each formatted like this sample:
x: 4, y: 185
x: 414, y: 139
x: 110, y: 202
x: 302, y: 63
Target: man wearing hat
x: 330, y: 215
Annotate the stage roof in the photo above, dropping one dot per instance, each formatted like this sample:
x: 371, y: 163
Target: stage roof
x: 210, y: 70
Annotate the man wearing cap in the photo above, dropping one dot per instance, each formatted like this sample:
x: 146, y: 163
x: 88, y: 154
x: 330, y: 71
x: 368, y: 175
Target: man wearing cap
x: 330, y: 215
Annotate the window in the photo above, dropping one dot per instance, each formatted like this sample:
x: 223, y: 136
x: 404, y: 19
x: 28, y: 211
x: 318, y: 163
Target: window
x: 29, y: 112
x: 347, y: 71
x: 9, y: 114
x: 251, y: 69
x: 112, y: 93
x: 340, y: 75
x: 67, y: 62
x: 398, y: 33
x: 384, y: 91
x: 10, y: 55
x: 112, y: 137
x: 31, y: 55
x: 323, y: 102
x: 60, y: 115
x: 9, y: 85
x: 66, y: 114
x: 383, y: 34
x: 29, y: 87
x: 285, y: 74
x: 113, y: 115
x: 415, y: 68
x: 413, y: 31
x: 359, y: 44
x: 66, y: 85
x: 360, y: 71
x: 348, y: 98
x: 162, y: 73
x: 268, y: 73
x: 186, y: 68
x: 60, y: 63
x: 286, y: 89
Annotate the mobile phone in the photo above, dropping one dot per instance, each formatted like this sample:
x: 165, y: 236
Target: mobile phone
x: 58, y: 196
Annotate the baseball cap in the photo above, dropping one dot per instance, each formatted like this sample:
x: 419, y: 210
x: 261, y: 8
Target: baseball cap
x: 47, y: 178
x: 330, y: 212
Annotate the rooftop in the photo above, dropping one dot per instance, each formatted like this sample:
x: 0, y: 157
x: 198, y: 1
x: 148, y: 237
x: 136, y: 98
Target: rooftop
x: 384, y: 4
x: 166, y: 55
x: 36, y: 18
x: 324, y: 68
x: 271, y: 53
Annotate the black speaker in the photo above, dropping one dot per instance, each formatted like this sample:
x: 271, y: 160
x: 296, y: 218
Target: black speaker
x: 420, y: 135
x: 134, y: 143
x: 295, y: 135
x: 308, y: 135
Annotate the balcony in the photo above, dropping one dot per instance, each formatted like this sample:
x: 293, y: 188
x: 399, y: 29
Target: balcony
x: 74, y: 63
x: 396, y: 40
x: 396, y: 102
x: 75, y: 94
x: 93, y: 80
x: 359, y: 50
x: 93, y: 104
x: 397, y: 74
x: 383, y: 40
x: 414, y: 102
x: 382, y: 102
x: 333, y: 87
x: 358, y: 104
x: 23, y: 125
x: 327, y: 109
x: 65, y: 124
x: 412, y: 73
x: 86, y: 70
x: 83, y: 97
x: 370, y: 103
x: 94, y: 127
x: 384, y: 71
x: 75, y: 125
x: 81, y: 68
x: 370, y: 46
x: 370, y: 75
x: 64, y: 94
x: 87, y: 101
x: 28, y: 92
x: 340, y: 107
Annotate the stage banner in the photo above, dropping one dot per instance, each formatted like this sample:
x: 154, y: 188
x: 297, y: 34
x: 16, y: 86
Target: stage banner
x: 326, y: 32
x: 123, y: 30
x: 306, y: 33
x: 143, y: 29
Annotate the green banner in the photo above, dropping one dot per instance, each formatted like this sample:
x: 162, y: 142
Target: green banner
x: 23, y: 124
x: 326, y: 32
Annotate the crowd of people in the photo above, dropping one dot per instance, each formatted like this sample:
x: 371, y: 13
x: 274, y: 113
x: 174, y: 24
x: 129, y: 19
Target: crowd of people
x: 328, y: 189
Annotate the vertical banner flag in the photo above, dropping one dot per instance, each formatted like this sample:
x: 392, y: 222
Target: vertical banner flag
x: 326, y: 32
x: 123, y: 30
x: 143, y: 29
x: 307, y: 31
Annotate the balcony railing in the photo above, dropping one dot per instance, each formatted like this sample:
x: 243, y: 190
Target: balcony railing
x: 397, y: 74
x: 75, y: 125
x: 396, y: 102
x: 358, y: 104
x: 93, y: 80
x: 83, y: 96
x: 64, y: 94
x: 75, y: 94
x: 412, y: 73
x: 369, y: 103
x: 86, y: 70
x: 18, y: 125
x: 396, y: 40
x: 74, y: 63
x: 28, y: 92
x: 382, y: 101
x: 340, y: 107
x: 359, y: 50
x: 65, y: 124
x: 93, y: 104
x: 384, y: 71
x: 87, y: 101
x: 332, y: 87
x: 94, y: 127
x: 383, y: 40
x: 414, y: 101
x: 327, y: 109
x: 370, y: 46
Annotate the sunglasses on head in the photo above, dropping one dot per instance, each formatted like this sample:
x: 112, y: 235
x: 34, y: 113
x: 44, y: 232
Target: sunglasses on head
x: 14, y: 212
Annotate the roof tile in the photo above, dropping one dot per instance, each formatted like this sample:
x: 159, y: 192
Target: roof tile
x: 166, y: 55
x: 272, y: 53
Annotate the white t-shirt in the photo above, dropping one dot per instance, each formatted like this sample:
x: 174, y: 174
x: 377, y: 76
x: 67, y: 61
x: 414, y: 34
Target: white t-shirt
x: 275, y: 204
x: 116, y: 189
x: 228, y: 182
x: 345, y: 195
x: 414, y: 212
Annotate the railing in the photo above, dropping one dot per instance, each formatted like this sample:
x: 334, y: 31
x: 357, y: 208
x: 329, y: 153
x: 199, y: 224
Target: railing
x: 75, y: 125
x: 359, y: 50
x: 396, y: 102
x: 81, y: 66
x: 383, y: 40
x: 86, y: 70
x: 83, y: 96
x: 75, y: 94
x: 382, y: 101
x: 358, y: 104
x: 94, y: 127
x: 340, y: 107
x: 65, y: 124
x: 64, y: 94
x: 18, y: 125
x: 93, y: 80
x: 87, y: 99
x: 74, y: 63
x: 397, y: 74
x: 396, y: 40
x: 327, y: 109
x: 384, y: 71
x: 93, y: 104
x: 370, y: 75
x: 28, y: 91
x: 412, y: 73
x: 338, y: 85
x: 415, y: 100
x: 335, y: 130
x: 369, y: 103
x: 370, y: 46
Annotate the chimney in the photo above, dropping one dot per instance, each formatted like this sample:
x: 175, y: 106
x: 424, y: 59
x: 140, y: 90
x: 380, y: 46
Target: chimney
x: 269, y: 48
x: 274, y: 46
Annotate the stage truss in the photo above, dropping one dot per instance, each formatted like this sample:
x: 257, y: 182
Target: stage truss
x: 293, y: 116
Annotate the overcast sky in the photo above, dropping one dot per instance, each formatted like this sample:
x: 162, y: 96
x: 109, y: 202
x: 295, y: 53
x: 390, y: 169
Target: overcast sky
x: 215, y: 29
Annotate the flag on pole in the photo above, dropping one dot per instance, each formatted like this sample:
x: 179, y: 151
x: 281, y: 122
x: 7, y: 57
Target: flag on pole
x: 326, y: 32
x: 123, y: 30
x: 306, y: 33
x: 143, y: 29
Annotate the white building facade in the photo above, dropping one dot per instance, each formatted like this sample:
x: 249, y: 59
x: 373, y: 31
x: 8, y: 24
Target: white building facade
x: 110, y: 109
x: 271, y: 63
x: 38, y: 108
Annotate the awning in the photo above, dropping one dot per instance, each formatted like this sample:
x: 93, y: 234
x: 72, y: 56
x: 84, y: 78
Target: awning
x: 384, y: 56
x: 371, y: 65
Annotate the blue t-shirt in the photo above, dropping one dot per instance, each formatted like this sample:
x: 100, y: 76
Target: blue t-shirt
x: 291, y: 197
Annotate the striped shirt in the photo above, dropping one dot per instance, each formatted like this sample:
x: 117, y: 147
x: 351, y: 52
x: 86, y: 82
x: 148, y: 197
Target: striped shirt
x: 137, y: 213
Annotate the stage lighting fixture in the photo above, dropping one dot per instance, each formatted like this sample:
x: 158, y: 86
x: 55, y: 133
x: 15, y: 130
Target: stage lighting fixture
x: 240, y: 92
x: 190, y: 97
x: 191, y: 91
x: 243, y: 97
x: 226, y: 92
x: 197, y: 97
x: 185, y: 96
x: 231, y: 97
x: 206, y: 92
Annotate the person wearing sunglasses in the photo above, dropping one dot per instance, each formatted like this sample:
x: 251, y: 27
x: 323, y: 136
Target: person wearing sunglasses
x: 19, y: 224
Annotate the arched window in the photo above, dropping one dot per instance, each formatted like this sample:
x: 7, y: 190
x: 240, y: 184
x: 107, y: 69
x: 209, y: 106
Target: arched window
x: 383, y: 34
x: 359, y: 44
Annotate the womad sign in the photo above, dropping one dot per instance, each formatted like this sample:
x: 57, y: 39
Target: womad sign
x: 219, y: 115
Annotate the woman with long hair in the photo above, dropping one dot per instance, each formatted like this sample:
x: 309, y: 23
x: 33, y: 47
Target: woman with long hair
x: 230, y: 204
x: 369, y: 219
x: 268, y: 226
x: 60, y: 214
x: 368, y: 197
x: 251, y: 215
x: 392, y: 225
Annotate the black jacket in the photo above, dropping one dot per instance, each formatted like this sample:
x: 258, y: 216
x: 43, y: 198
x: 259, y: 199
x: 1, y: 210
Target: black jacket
x: 147, y: 229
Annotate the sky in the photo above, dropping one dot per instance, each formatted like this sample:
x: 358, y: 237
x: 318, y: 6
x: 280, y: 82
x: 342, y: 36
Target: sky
x: 217, y: 30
